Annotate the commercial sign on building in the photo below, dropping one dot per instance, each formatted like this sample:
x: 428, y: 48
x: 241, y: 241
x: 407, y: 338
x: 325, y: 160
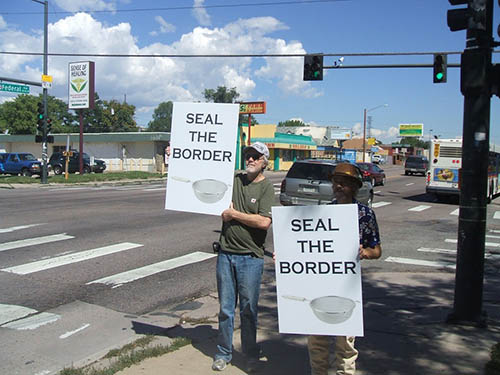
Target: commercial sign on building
x: 252, y: 108
x: 318, y: 272
x: 411, y: 130
x: 202, y: 157
x: 81, y: 85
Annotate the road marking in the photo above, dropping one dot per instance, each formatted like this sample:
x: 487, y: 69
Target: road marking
x: 434, y: 250
x: 19, y: 227
x: 419, y: 208
x: 155, y: 189
x: 492, y: 236
x: 32, y: 322
x: 139, y: 273
x: 411, y: 183
x: 455, y: 212
x: 419, y: 262
x: 71, y: 333
x: 377, y: 192
x: 9, y: 313
x: 494, y: 231
x: 380, y: 204
x: 497, y: 215
x: 46, y: 264
x: 489, y: 244
x: 43, y: 372
x: 34, y: 241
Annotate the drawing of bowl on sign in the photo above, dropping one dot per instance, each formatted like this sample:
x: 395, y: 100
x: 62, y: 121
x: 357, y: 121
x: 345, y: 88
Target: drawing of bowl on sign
x: 207, y: 190
x: 329, y: 309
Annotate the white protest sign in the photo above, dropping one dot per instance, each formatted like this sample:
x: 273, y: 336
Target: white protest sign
x: 318, y: 273
x: 202, y: 157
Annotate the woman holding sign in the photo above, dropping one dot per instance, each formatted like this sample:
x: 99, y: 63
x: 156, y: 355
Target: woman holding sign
x: 346, y: 182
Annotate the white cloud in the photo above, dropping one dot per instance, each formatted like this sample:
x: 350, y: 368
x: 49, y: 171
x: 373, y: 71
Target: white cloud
x: 165, y: 27
x: 149, y: 81
x: 75, y: 6
x: 3, y: 24
x: 200, y: 13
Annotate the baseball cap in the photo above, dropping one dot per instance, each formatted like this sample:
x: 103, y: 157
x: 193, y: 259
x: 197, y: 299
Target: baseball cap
x: 260, y: 147
x: 348, y: 170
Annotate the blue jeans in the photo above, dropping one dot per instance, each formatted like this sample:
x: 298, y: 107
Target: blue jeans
x: 238, y: 276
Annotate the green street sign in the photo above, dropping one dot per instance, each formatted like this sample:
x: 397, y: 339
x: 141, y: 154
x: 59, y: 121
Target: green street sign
x: 10, y: 87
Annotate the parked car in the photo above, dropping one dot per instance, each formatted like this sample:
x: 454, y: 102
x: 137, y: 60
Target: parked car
x: 373, y: 172
x: 377, y: 159
x: 57, y: 163
x: 416, y: 164
x: 22, y: 163
x: 2, y: 160
x: 307, y: 183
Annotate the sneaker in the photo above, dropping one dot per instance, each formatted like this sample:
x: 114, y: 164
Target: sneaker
x: 219, y: 364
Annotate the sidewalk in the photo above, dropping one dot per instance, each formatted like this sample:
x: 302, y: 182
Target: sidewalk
x: 405, y: 332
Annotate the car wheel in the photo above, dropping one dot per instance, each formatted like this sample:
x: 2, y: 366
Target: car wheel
x: 26, y: 172
x: 57, y: 169
x: 86, y: 170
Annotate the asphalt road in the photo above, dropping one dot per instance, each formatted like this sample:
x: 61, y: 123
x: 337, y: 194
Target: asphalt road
x: 104, y: 239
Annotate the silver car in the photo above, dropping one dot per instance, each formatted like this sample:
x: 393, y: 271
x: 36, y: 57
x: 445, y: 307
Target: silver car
x: 307, y: 183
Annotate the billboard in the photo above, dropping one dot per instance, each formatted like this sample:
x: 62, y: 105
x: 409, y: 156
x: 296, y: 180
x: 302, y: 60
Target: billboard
x: 81, y: 85
x: 411, y: 130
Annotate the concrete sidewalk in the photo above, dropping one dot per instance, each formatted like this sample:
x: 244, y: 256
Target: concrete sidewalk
x: 405, y: 332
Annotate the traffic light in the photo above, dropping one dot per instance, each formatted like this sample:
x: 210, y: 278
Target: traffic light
x: 49, y: 125
x: 313, y: 67
x: 440, y: 68
x: 40, y: 116
x: 471, y: 18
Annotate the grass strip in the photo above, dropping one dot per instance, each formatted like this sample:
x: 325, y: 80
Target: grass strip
x: 129, y: 355
x: 77, y: 178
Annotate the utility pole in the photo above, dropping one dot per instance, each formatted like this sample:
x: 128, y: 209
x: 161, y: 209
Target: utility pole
x: 45, y: 67
x: 476, y: 68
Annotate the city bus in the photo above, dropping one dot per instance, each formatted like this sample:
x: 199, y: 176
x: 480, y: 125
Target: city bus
x: 445, y: 163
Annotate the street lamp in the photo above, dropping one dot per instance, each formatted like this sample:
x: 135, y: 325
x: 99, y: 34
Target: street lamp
x: 364, y: 126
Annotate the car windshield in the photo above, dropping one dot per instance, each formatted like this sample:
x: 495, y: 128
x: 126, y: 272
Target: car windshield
x: 364, y: 167
x: 3, y: 157
x: 26, y: 157
x: 310, y: 171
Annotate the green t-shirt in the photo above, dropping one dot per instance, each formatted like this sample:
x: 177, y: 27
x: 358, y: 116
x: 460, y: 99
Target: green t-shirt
x: 250, y: 198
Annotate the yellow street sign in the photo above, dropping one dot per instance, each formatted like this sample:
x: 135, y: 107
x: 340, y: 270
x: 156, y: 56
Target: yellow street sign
x: 46, y: 78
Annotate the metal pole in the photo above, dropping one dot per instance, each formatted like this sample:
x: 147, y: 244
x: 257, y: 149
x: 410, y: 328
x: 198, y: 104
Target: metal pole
x: 45, y: 60
x: 364, y: 135
x: 80, y: 149
x: 249, y: 127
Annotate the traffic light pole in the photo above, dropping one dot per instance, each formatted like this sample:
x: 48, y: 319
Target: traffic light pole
x: 475, y: 86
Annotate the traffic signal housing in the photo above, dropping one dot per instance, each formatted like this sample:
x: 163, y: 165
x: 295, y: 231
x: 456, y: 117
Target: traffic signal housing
x: 313, y: 67
x: 49, y: 125
x: 471, y: 18
x: 40, y: 116
x: 440, y: 68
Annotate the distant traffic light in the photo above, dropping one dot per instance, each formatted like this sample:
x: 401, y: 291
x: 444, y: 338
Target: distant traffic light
x: 471, y: 18
x: 49, y: 125
x: 40, y: 116
x: 440, y: 68
x: 313, y: 67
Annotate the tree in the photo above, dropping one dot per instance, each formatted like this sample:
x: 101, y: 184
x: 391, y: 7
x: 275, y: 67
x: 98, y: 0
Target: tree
x: 291, y: 123
x: 19, y: 116
x: 221, y: 95
x: 162, y: 118
x: 414, y: 141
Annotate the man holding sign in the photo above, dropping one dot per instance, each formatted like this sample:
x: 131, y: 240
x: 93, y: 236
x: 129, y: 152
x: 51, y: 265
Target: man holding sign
x: 240, y: 262
x: 346, y: 182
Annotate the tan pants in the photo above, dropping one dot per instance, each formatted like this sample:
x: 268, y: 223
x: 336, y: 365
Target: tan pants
x: 319, y: 355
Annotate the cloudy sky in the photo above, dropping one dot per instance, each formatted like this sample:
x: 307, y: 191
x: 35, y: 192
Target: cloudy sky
x: 251, y: 27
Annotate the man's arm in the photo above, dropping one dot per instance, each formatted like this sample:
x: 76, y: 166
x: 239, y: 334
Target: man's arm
x: 252, y: 220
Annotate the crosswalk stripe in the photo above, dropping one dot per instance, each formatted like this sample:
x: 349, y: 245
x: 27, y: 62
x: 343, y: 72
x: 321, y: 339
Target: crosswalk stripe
x: 492, y: 236
x: 419, y: 208
x: 455, y: 212
x: 494, y: 231
x: 139, y: 273
x: 489, y: 244
x: 434, y: 250
x: 496, y: 215
x: 380, y: 204
x: 9, y: 313
x: 419, y: 262
x: 46, y: 264
x: 33, y: 322
x: 411, y: 183
x: 19, y: 227
x: 34, y: 241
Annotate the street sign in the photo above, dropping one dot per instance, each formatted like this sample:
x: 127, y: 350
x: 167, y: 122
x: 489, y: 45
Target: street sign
x: 411, y: 130
x: 10, y: 87
x: 253, y: 108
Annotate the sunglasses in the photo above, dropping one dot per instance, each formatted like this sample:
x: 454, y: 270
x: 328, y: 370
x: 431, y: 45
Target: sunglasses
x: 253, y: 155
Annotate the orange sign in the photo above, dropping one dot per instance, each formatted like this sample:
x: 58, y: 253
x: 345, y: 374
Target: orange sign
x: 253, y: 108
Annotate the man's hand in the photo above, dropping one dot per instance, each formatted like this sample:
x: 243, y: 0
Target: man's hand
x: 228, y: 214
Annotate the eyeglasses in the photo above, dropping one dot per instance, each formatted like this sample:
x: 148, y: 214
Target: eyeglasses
x: 344, y: 181
x: 254, y: 156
